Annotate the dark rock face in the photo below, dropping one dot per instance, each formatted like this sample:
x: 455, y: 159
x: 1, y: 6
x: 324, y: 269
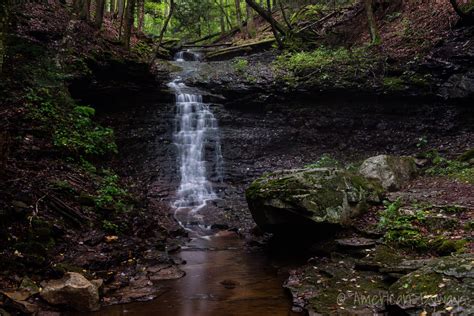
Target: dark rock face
x: 262, y: 138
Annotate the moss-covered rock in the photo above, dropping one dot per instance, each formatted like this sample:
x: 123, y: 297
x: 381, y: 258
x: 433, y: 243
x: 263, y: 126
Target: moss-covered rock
x: 444, y: 286
x: 289, y: 199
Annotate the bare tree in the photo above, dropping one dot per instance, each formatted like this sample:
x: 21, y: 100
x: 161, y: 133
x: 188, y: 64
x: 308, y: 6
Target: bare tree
x: 127, y: 30
x: 373, y: 28
x: 99, y: 13
x: 238, y: 14
x: 141, y: 15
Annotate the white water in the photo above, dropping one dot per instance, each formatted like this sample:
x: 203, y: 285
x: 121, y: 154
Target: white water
x: 196, y: 137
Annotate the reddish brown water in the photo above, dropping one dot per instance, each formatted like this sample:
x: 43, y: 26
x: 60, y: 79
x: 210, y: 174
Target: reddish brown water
x: 252, y: 285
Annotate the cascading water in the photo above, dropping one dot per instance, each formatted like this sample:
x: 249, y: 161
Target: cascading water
x: 196, y: 137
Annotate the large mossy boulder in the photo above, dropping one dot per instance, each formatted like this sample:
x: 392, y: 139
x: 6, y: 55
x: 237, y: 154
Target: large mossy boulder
x: 445, y: 286
x: 288, y: 200
x: 390, y: 171
x: 74, y: 291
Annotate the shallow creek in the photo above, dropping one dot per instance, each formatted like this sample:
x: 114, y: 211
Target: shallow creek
x: 223, y: 277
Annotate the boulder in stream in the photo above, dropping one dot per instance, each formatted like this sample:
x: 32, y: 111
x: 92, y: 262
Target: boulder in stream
x: 73, y: 290
x: 288, y: 200
x: 390, y: 171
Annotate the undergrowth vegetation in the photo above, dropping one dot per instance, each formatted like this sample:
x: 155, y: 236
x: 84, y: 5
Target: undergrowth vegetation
x: 461, y: 169
x: 71, y: 125
x: 324, y: 65
x: 411, y: 228
x: 400, y: 228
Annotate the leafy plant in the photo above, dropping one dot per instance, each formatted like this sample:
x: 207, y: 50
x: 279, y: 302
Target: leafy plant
x: 110, y: 195
x: 399, y: 228
x: 82, y: 135
x: 240, y: 64
x: 422, y: 142
x: 441, y: 166
x: 110, y: 227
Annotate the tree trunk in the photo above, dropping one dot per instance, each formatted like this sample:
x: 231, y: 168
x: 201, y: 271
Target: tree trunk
x: 127, y: 30
x: 165, y: 25
x: 163, y: 30
x: 85, y: 10
x: 273, y: 25
x: 120, y: 8
x: 112, y: 8
x: 250, y: 22
x: 99, y: 13
x: 3, y: 31
x: 283, y: 13
x: 141, y: 15
x: 374, y: 30
x: 238, y: 14
x: 221, y: 16
x: 120, y: 14
x: 267, y: 16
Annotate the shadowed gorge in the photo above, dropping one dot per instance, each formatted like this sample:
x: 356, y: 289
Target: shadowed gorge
x: 236, y: 157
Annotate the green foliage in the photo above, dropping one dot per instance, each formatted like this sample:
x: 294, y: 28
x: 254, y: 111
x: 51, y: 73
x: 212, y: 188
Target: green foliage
x: 441, y: 166
x: 400, y: 229
x: 240, y: 64
x: 72, y: 126
x: 110, y: 227
x: 393, y: 83
x: 110, y: 195
x: 325, y: 161
x: 87, y: 166
x: 422, y: 142
x: 82, y: 135
x: 334, y: 67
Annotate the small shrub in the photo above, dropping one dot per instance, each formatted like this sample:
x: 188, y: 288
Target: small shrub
x: 110, y: 227
x: 399, y: 229
x: 441, y: 166
x: 240, y: 64
x: 110, y: 195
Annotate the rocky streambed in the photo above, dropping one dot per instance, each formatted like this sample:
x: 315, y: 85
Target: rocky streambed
x: 290, y: 133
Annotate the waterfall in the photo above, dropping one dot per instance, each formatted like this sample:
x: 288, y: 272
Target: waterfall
x: 196, y: 137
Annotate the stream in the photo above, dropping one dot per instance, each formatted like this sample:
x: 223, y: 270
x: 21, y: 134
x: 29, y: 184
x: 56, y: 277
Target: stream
x: 222, y: 276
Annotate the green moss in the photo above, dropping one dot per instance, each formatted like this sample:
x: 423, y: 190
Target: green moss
x: 445, y: 247
x: 394, y: 83
x: 467, y: 155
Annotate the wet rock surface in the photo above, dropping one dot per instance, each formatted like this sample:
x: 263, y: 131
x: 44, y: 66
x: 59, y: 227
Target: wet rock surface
x: 262, y: 138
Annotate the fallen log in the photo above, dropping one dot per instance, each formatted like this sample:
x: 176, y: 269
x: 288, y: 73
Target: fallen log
x: 233, y: 51
x: 206, y: 46
x: 202, y: 39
